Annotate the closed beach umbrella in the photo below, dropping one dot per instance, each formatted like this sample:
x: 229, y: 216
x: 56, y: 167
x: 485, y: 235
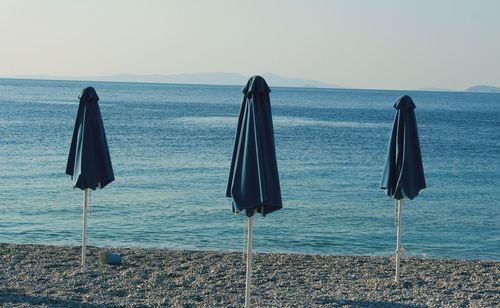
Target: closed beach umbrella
x: 89, y: 163
x: 403, y: 175
x: 253, y: 178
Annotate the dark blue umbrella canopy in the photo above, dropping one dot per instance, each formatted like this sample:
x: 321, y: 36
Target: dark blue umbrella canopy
x: 403, y: 175
x: 89, y: 163
x: 253, y: 178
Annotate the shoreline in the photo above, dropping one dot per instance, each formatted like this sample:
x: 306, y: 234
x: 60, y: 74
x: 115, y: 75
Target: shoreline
x: 50, y: 275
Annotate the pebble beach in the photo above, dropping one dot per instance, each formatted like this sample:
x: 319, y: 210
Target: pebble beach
x: 50, y: 276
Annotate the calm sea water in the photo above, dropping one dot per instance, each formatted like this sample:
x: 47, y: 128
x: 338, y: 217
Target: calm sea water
x: 171, y: 148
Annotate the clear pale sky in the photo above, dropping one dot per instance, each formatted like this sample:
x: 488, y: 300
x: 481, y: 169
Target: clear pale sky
x: 385, y: 44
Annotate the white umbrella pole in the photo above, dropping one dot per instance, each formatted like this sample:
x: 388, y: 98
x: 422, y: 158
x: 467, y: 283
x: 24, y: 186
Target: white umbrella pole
x: 244, y: 238
x: 249, y: 262
x: 398, y: 237
x: 86, y: 193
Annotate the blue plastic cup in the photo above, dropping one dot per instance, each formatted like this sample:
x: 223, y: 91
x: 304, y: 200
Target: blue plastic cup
x: 110, y: 258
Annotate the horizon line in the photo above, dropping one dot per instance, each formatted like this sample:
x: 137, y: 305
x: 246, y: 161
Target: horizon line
x: 96, y: 79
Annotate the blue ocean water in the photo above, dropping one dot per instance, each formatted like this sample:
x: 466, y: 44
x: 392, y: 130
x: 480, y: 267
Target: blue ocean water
x: 171, y: 147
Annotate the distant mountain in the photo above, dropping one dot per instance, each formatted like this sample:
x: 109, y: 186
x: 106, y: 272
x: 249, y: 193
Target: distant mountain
x: 483, y: 89
x: 477, y: 89
x: 218, y: 78
x: 431, y: 89
x: 199, y: 78
x: 280, y: 81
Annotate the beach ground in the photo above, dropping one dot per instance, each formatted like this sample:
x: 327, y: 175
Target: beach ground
x: 49, y: 276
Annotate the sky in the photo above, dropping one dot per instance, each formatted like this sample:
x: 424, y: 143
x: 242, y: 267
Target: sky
x: 384, y: 44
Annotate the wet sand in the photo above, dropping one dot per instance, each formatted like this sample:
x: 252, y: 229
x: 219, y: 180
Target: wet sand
x: 49, y: 276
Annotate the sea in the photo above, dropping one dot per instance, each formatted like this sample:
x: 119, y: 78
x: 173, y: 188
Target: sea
x: 171, y: 148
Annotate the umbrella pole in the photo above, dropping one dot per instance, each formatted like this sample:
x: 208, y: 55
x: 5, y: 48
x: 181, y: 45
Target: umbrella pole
x: 244, y: 238
x: 398, y: 238
x: 249, y: 262
x: 86, y: 193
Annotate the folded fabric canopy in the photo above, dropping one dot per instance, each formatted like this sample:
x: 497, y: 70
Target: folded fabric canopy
x: 89, y: 163
x: 403, y: 175
x: 253, y: 178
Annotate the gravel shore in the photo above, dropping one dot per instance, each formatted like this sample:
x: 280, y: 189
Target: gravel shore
x: 49, y: 276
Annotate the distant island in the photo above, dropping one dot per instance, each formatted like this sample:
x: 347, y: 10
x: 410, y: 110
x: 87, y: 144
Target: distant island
x: 199, y: 78
x: 483, y: 89
x: 433, y: 89
x: 474, y: 89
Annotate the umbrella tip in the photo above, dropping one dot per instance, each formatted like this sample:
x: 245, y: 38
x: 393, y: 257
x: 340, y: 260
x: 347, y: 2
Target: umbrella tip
x: 256, y: 84
x: 88, y: 94
x: 405, y: 103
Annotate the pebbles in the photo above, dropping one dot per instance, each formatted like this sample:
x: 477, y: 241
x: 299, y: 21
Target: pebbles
x: 50, y: 276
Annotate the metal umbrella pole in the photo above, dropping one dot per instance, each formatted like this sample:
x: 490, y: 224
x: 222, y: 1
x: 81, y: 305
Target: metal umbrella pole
x: 86, y: 200
x: 399, y: 204
x: 249, y: 262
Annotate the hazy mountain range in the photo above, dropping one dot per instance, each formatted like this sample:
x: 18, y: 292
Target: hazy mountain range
x: 200, y: 78
x: 484, y: 89
x: 231, y: 79
x: 477, y: 89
